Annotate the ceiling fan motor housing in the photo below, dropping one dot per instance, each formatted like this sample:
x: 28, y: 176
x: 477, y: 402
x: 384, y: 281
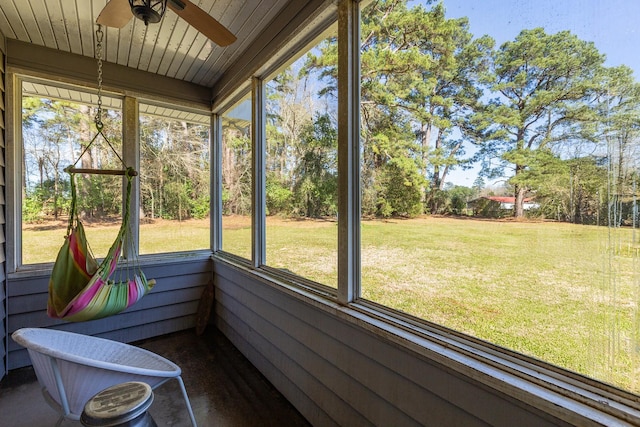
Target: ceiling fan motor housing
x: 149, y: 11
x: 118, y: 13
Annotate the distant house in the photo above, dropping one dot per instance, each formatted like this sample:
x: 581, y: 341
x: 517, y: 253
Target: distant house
x: 508, y: 202
x: 498, y: 206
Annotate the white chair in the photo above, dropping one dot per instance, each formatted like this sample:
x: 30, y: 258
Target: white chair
x: 71, y: 368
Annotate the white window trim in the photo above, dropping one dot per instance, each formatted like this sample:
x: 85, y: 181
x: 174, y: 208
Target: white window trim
x: 131, y: 153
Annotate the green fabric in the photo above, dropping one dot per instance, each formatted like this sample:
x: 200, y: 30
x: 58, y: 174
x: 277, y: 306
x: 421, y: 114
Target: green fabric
x: 79, y: 289
x: 72, y: 270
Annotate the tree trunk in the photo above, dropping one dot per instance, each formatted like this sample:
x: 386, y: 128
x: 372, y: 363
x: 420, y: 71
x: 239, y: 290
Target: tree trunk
x: 518, y: 207
x: 153, y: 203
x: 41, y: 170
x: 161, y: 195
x: 425, y: 132
x: 55, y: 192
x: 86, y: 161
x: 426, y: 137
x: 436, y: 182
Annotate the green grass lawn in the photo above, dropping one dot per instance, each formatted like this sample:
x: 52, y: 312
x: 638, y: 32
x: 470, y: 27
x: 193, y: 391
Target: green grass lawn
x: 567, y: 294
x: 41, y: 242
x: 563, y: 293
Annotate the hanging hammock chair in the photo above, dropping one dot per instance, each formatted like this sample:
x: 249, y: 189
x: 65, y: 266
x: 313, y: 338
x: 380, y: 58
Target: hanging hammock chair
x: 79, y: 288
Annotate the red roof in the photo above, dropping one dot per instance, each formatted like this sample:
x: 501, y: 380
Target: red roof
x: 507, y: 199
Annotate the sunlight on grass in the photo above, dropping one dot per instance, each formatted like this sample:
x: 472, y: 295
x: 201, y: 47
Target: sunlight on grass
x: 174, y: 236
x: 41, y: 243
x: 236, y: 235
x: 566, y: 294
x: 306, y: 248
x: 542, y: 289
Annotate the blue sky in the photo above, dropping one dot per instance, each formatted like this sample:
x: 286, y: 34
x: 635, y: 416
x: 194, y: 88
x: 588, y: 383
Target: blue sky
x: 613, y: 25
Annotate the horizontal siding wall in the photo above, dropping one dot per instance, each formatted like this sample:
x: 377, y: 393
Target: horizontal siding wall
x: 338, y: 373
x: 171, y: 306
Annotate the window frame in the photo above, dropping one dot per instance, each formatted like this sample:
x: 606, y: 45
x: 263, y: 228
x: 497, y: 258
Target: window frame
x: 255, y: 84
x: 14, y: 170
x: 130, y: 151
x: 564, y: 394
x: 216, y: 181
x: 135, y: 218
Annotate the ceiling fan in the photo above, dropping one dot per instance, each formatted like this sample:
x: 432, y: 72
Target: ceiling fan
x: 117, y: 13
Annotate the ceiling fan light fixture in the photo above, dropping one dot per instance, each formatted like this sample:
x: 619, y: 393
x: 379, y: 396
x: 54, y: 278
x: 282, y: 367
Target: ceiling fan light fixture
x: 149, y: 11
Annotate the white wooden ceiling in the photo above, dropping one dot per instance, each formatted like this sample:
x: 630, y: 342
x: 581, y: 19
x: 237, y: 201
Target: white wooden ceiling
x: 170, y: 48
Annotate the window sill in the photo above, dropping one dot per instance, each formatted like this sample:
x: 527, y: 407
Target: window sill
x: 35, y: 270
x: 565, y: 395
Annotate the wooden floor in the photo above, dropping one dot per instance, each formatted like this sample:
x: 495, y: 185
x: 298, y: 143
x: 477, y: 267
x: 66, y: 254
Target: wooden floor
x: 224, y: 388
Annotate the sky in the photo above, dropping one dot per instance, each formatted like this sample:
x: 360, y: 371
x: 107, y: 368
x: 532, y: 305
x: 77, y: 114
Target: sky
x: 613, y: 26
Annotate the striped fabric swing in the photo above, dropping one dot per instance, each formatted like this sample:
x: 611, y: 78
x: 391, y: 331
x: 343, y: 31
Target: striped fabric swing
x: 79, y: 288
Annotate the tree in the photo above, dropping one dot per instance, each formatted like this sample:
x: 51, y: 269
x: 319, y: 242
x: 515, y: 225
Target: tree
x: 236, y: 170
x: 571, y: 190
x: 55, y: 133
x: 545, y: 85
x: 290, y: 106
x: 459, y: 196
x: 387, y: 136
x: 619, y: 109
x: 419, y: 80
x: 400, y: 189
x: 445, y: 91
x: 315, y: 189
x: 175, y: 161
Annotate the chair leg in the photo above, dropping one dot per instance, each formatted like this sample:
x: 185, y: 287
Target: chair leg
x: 186, y: 400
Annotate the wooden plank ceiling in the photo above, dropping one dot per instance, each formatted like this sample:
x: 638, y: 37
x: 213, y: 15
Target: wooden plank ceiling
x: 170, y: 48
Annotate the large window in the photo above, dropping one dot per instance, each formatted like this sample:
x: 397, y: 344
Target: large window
x: 236, y: 179
x: 57, y: 126
x: 174, y: 180
x: 302, y: 169
x: 500, y: 176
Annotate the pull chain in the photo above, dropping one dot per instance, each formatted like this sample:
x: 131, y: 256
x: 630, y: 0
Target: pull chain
x: 99, y: 37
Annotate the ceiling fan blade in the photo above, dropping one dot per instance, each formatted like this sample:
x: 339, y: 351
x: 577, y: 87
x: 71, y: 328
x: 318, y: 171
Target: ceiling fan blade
x: 116, y: 14
x: 202, y: 21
